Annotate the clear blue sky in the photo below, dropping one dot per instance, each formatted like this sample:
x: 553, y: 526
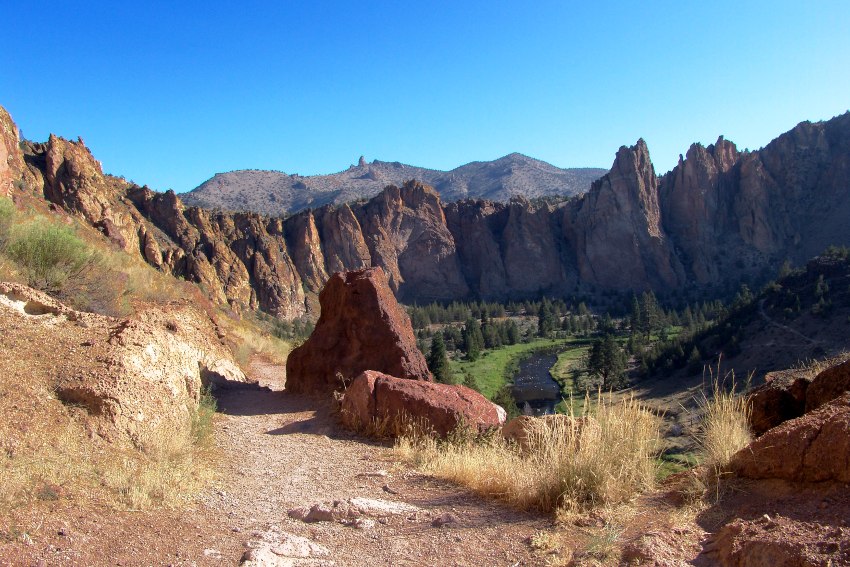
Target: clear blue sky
x: 169, y: 93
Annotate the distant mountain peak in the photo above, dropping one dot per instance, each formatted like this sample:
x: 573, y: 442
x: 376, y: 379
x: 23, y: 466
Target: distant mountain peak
x: 275, y: 192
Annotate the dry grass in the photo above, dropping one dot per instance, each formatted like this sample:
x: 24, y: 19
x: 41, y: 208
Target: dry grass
x: 60, y: 460
x: 604, y: 457
x: 811, y: 368
x: 248, y: 339
x: 725, y: 427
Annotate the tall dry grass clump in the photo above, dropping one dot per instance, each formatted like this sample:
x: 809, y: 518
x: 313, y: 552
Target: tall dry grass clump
x: 605, y: 456
x: 725, y: 425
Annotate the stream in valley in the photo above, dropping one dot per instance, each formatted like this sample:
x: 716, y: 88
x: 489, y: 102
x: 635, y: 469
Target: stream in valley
x: 534, y: 390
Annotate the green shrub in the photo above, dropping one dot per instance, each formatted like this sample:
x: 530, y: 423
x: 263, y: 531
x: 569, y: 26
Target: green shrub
x: 7, y: 217
x: 48, y: 254
x: 202, y: 421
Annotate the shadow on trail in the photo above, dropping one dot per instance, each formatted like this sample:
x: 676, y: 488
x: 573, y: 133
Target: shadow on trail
x: 252, y: 399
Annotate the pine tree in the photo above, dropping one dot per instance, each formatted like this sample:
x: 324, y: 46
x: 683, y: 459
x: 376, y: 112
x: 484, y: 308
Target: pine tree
x: 607, y: 361
x: 438, y: 361
x: 546, y: 322
x: 473, y: 340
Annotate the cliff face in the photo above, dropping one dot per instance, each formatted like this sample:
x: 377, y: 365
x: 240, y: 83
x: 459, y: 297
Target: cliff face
x: 619, y: 239
x: 718, y: 215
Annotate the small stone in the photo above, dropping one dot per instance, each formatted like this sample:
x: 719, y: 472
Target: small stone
x: 443, y: 519
x: 299, y: 513
x: 363, y: 524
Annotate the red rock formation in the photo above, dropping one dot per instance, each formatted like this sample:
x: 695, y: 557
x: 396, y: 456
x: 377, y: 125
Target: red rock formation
x: 377, y: 397
x: 405, y: 230
x: 718, y: 216
x: 780, y: 398
x: 694, y: 198
x: 342, y: 240
x: 812, y: 448
x: 11, y: 158
x: 361, y: 327
x: 617, y: 232
x: 306, y: 250
x: 828, y: 385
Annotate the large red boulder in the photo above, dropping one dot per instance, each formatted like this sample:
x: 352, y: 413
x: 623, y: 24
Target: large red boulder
x: 376, y: 398
x: 362, y: 327
x: 780, y: 398
x: 828, y: 385
x: 811, y: 448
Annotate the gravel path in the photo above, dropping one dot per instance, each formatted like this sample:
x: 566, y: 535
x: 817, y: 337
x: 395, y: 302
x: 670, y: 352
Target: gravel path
x: 283, y: 451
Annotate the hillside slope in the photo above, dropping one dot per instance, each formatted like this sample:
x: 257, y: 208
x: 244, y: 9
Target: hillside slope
x: 276, y: 193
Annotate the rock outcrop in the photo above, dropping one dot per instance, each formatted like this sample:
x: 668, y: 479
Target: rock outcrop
x: 617, y: 228
x: 828, y: 385
x: 789, y: 394
x: 780, y: 398
x: 780, y: 541
x: 138, y: 380
x: 719, y: 216
x: 362, y: 327
x: 11, y: 158
x: 812, y: 448
x: 376, y: 398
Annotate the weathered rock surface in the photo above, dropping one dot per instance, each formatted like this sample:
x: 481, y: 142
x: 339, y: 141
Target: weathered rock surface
x: 828, y: 385
x: 812, y: 448
x: 617, y: 228
x: 362, y: 327
x: 347, y: 511
x: 780, y: 541
x: 11, y: 158
x: 137, y: 379
x: 276, y: 548
x: 718, y: 216
x: 780, y: 398
x: 376, y: 397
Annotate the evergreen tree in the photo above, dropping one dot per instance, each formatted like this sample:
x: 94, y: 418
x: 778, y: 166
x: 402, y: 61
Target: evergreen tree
x: 606, y: 360
x: 514, y: 336
x: 470, y: 382
x: 473, y: 340
x: 438, y: 360
x: 546, y: 321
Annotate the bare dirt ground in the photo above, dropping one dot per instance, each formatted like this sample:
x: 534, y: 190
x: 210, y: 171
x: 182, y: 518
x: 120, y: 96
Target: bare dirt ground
x: 278, y: 452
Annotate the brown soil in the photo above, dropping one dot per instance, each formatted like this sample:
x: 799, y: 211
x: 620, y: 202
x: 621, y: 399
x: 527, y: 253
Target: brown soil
x: 280, y: 451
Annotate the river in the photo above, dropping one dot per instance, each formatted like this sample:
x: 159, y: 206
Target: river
x: 534, y: 389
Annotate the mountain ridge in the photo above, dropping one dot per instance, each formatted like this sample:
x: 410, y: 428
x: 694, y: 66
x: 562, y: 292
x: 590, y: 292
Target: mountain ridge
x: 278, y: 193
x: 718, y: 218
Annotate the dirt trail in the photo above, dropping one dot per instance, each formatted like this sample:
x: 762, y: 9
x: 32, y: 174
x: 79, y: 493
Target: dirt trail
x: 283, y: 451
x: 785, y: 328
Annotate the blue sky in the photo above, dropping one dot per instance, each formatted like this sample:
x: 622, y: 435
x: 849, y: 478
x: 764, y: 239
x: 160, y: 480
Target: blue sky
x: 169, y: 93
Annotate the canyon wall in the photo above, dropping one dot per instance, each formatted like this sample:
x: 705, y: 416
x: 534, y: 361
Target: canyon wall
x: 719, y: 215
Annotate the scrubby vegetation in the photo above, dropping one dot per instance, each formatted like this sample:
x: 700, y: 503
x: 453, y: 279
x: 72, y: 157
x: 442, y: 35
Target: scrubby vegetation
x: 49, y: 254
x: 819, y: 289
x: 725, y: 427
x: 603, y: 457
x: 56, y: 457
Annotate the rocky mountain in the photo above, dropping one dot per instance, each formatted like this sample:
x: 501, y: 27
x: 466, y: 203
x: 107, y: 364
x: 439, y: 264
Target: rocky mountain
x: 718, y: 216
x: 277, y: 193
